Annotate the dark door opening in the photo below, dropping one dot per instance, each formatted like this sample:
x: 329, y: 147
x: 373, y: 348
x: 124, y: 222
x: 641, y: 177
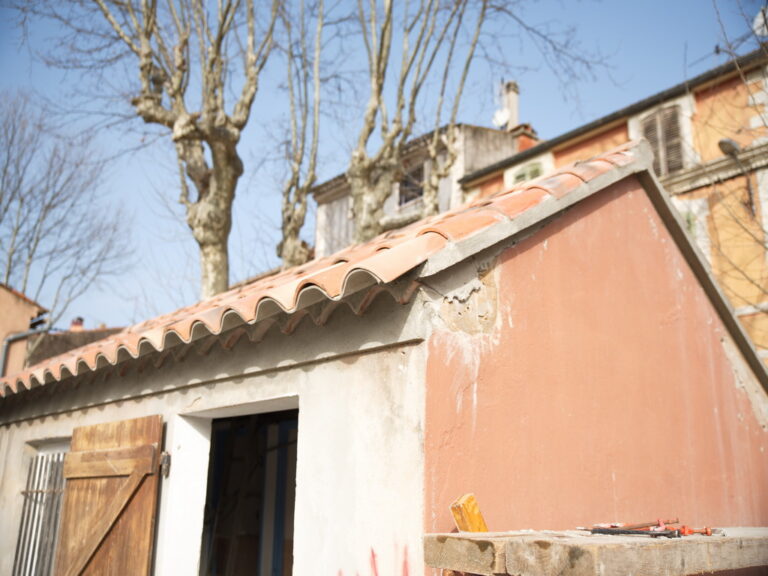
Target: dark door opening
x: 248, y: 523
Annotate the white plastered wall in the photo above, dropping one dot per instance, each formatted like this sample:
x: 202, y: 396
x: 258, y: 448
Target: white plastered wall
x: 334, y: 227
x: 695, y: 213
x: 359, y: 387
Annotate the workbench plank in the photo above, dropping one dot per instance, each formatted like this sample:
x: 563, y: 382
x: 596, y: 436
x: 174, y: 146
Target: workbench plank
x: 572, y: 553
x: 473, y: 554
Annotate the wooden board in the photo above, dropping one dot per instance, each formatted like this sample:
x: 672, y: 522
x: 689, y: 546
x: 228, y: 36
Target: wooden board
x: 540, y: 553
x: 467, y: 515
x: 110, y: 499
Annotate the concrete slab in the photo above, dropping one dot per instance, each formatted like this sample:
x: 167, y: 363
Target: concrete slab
x: 579, y: 553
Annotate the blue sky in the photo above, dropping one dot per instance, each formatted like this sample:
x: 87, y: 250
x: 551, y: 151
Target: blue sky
x: 648, y: 46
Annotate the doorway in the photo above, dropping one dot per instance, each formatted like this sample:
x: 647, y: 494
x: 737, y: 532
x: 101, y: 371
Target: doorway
x: 251, y: 494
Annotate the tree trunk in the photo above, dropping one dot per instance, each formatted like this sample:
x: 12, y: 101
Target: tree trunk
x: 214, y: 268
x: 210, y: 217
x: 369, y: 192
x: 294, y: 251
x: 430, y: 200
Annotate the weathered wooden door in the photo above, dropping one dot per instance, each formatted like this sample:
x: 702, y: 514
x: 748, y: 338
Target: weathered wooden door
x: 110, y: 498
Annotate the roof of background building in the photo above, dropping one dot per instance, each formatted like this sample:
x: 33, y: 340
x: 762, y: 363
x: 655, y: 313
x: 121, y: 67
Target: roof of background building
x: 50, y: 344
x: 436, y: 243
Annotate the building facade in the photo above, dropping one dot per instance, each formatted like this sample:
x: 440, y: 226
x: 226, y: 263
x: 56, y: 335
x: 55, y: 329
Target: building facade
x: 476, y: 147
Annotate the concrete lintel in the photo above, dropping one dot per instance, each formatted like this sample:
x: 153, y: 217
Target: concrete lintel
x: 579, y: 553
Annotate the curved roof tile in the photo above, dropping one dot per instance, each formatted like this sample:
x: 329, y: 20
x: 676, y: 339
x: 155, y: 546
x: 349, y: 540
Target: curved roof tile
x: 379, y: 261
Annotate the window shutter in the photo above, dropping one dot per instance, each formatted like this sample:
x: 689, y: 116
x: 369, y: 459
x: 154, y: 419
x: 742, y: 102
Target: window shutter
x: 40, y: 516
x: 651, y: 133
x: 110, y: 499
x: 673, y: 142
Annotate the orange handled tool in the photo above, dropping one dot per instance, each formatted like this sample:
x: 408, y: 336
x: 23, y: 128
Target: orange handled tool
x: 686, y: 531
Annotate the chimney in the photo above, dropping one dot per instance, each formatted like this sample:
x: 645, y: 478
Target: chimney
x: 76, y: 325
x: 510, y: 100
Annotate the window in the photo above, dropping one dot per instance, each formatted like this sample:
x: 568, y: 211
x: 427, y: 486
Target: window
x: 411, y: 186
x: 662, y: 130
x: 36, y: 541
x: 528, y: 172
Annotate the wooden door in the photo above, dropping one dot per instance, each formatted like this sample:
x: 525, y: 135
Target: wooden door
x: 110, y: 499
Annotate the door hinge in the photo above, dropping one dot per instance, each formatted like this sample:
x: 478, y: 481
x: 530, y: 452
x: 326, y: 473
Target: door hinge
x: 165, y: 464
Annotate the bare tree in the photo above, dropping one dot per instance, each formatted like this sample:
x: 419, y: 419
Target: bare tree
x: 188, y: 58
x: 445, y: 139
x: 304, y: 95
x: 423, y: 34
x: 56, y: 240
x: 437, y: 40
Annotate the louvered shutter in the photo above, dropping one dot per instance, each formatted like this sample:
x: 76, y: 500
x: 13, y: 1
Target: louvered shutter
x: 673, y: 142
x: 651, y: 133
x: 40, y: 516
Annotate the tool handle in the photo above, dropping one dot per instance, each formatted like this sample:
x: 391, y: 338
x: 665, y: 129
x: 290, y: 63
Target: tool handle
x: 624, y: 531
x: 650, y: 524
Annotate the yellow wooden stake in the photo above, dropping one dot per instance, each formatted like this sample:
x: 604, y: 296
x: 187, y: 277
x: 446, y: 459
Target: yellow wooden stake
x: 467, y: 516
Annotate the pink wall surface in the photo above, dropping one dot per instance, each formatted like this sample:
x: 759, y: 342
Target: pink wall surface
x: 601, y: 392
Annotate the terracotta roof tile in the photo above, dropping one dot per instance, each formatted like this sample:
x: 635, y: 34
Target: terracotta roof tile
x: 587, y: 171
x: 518, y: 201
x: 378, y: 262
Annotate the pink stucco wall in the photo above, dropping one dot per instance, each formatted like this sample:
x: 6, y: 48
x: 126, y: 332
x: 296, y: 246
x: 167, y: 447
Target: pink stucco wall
x: 602, y: 391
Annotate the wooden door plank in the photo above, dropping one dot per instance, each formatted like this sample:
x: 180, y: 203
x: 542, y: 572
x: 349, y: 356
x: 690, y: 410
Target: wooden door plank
x: 105, y: 519
x: 112, y: 462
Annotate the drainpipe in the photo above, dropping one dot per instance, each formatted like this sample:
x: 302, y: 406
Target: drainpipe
x: 13, y: 338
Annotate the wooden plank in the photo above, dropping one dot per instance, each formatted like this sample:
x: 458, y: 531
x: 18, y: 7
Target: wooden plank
x: 104, y: 521
x: 127, y: 546
x: 471, y: 554
x: 574, y: 553
x: 112, y: 462
x: 467, y: 515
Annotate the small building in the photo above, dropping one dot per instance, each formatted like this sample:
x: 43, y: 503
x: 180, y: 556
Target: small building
x: 559, y: 348
x: 476, y: 147
x: 19, y: 317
